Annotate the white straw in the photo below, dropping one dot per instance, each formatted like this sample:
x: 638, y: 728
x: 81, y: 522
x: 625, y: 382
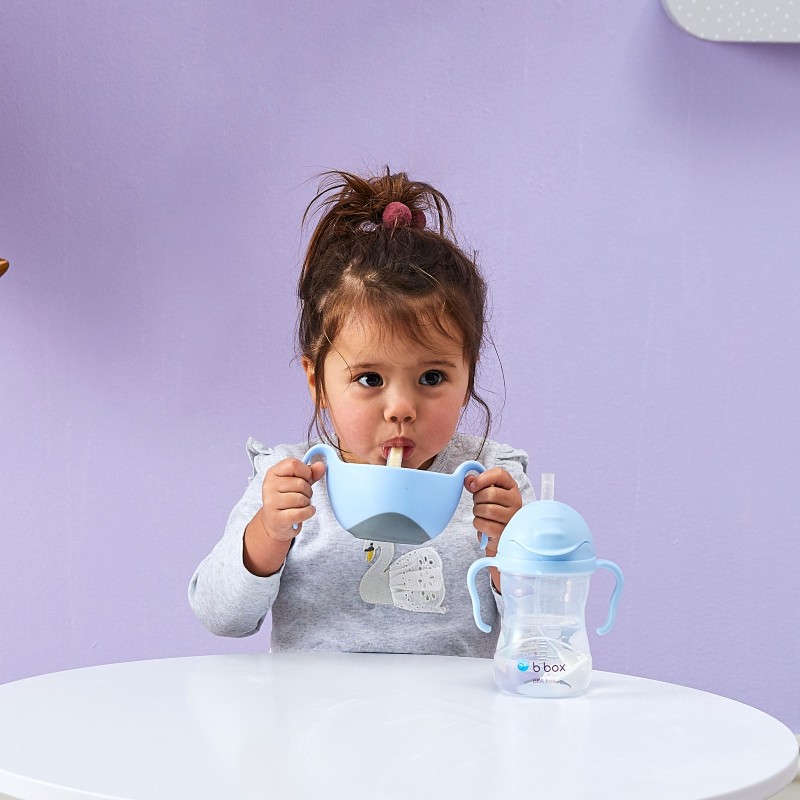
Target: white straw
x: 395, y: 457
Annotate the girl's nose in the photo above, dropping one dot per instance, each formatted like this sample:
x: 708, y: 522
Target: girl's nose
x: 400, y: 408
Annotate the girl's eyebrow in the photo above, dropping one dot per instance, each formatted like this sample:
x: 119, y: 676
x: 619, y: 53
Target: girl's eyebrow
x: 364, y: 366
x: 353, y: 368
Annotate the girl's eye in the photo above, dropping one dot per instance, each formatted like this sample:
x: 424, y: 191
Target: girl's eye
x: 431, y: 378
x: 370, y: 379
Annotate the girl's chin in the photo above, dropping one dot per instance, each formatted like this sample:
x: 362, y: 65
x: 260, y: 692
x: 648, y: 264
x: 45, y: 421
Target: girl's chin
x: 416, y: 463
x: 353, y: 458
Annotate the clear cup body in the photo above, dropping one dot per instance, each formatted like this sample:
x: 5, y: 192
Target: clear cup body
x: 543, y: 649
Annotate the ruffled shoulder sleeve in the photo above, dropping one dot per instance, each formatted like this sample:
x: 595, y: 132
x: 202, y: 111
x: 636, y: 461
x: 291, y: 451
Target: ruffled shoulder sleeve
x: 263, y: 457
x: 514, y: 461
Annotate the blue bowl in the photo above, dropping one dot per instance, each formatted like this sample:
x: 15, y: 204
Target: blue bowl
x: 391, y: 504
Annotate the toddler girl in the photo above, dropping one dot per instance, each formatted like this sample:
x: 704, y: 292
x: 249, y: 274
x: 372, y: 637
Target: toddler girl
x: 390, y: 331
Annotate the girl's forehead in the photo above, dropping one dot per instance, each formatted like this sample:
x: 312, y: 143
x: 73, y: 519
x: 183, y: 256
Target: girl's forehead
x: 367, y: 337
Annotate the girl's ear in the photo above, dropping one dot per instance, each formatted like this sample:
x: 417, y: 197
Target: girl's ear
x: 311, y: 377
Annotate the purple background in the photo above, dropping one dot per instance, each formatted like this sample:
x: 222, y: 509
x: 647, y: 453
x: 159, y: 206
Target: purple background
x: 632, y: 192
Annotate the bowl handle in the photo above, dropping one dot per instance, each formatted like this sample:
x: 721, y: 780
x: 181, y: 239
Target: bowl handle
x: 461, y: 471
x: 469, y: 466
x: 320, y: 449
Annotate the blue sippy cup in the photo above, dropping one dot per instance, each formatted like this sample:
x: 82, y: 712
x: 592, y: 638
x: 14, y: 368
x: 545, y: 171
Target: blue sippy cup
x: 546, y: 559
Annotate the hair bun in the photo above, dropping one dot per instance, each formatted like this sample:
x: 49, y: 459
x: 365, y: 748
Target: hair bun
x: 397, y: 215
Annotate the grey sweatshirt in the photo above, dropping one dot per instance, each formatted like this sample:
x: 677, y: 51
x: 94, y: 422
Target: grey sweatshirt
x: 328, y: 596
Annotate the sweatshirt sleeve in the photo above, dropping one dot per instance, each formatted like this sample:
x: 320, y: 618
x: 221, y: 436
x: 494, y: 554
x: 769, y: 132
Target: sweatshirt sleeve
x: 227, y: 598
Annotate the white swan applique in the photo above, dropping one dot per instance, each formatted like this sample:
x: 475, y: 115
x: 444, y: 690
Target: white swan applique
x: 414, y: 582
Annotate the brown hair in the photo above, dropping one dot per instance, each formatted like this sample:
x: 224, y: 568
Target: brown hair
x: 403, y: 275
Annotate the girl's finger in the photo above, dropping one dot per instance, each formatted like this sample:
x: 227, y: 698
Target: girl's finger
x: 291, y: 500
x: 493, y: 495
x: 292, y: 468
x: 297, y: 516
x: 494, y: 512
x: 496, y: 476
x: 317, y: 470
x: 490, y: 527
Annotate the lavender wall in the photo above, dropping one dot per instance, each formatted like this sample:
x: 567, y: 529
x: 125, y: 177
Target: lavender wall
x: 633, y: 193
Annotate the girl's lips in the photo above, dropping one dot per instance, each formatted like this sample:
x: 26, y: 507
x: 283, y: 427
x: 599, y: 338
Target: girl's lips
x: 406, y: 444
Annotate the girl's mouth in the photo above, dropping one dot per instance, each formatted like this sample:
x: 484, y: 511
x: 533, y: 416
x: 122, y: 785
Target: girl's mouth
x: 406, y: 444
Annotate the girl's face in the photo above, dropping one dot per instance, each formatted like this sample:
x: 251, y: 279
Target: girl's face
x: 383, y: 390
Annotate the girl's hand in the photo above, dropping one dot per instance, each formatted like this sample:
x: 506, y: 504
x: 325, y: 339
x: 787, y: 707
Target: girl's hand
x: 286, y: 497
x: 496, y: 498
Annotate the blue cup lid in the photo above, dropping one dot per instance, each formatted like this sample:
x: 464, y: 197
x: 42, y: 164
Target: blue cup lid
x: 546, y: 537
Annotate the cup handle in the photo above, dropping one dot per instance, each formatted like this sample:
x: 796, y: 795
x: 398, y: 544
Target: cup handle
x: 612, y: 607
x: 473, y: 570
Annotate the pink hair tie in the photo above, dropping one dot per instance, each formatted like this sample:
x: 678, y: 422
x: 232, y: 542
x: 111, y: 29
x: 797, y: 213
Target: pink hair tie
x: 399, y: 215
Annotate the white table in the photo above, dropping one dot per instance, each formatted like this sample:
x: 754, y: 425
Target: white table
x: 338, y: 725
